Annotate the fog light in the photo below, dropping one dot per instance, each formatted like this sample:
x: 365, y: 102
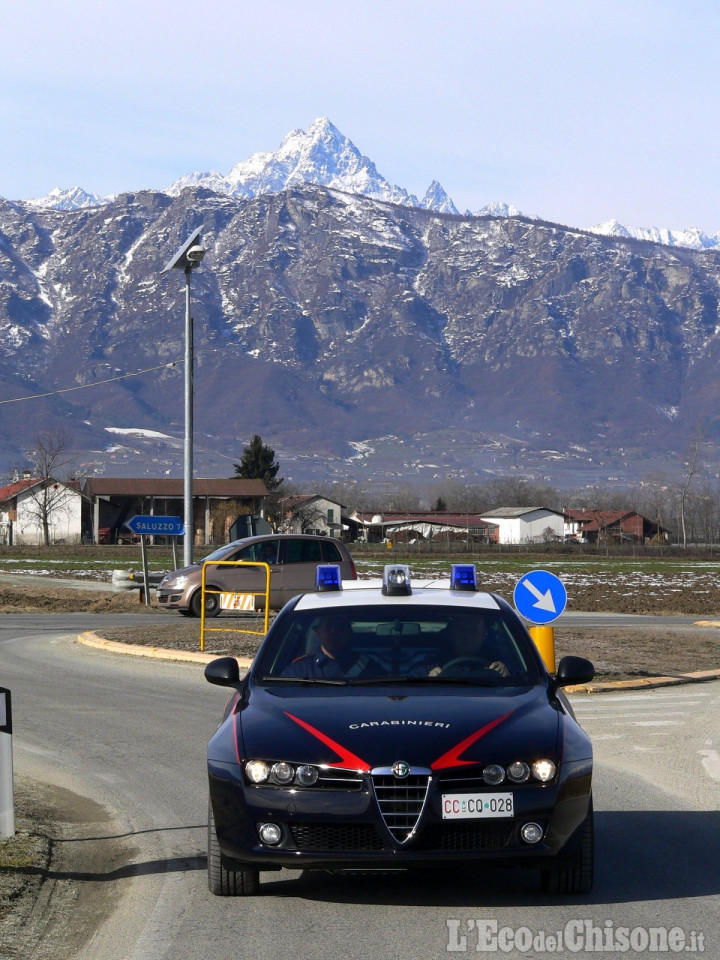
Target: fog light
x: 270, y: 833
x: 518, y: 772
x: 493, y: 774
x: 257, y: 771
x: 543, y: 770
x: 531, y: 832
x: 282, y: 772
x: 306, y: 775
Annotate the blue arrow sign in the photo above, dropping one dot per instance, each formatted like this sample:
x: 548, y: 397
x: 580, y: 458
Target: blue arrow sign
x: 540, y: 596
x: 154, y: 526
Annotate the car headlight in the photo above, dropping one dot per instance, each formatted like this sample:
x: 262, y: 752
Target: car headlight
x: 175, y: 582
x: 281, y: 773
x: 306, y: 775
x: 543, y: 770
x: 257, y: 771
x: 518, y: 771
x: 493, y: 774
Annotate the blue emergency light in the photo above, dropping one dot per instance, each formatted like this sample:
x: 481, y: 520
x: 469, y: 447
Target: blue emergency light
x: 328, y: 577
x: 463, y: 576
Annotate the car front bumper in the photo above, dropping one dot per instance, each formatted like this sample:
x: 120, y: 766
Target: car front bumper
x: 346, y: 828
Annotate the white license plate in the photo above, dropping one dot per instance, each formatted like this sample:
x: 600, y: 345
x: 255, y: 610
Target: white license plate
x: 464, y: 806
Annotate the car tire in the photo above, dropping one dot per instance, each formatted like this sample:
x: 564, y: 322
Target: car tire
x: 223, y: 882
x: 212, y: 603
x: 577, y: 875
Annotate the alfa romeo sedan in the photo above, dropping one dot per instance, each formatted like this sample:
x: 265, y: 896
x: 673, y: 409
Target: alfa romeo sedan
x: 398, y: 725
x: 292, y: 558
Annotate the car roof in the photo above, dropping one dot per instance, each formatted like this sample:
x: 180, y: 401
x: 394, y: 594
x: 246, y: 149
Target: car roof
x: 428, y: 593
x: 274, y: 536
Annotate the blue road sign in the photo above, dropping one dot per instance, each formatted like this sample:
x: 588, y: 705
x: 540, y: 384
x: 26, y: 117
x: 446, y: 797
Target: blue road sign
x: 540, y: 596
x: 156, y: 526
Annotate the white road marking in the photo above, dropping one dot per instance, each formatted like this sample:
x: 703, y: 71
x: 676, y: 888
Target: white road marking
x: 711, y: 762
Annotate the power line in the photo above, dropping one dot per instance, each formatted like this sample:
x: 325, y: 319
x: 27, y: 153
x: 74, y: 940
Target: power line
x: 95, y: 383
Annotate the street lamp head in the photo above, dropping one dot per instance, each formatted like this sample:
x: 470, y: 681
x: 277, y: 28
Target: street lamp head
x: 189, y: 255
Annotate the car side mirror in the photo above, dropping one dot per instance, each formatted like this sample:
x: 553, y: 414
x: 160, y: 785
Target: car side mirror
x: 224, y: 671
x: 573, y: 670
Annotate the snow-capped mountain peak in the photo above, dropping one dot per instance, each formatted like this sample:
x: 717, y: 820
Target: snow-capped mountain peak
x: 436, y: 199
x: 693, y: 237
x: 72, y: 199
x: 321, y: 155
x: 500, y: 209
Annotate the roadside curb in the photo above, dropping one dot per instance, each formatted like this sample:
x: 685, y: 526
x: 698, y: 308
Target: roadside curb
x: 90, y: 639
x: 645, y: 683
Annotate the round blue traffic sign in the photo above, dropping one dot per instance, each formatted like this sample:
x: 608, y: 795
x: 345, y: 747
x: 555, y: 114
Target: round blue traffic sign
x: 540, y: 596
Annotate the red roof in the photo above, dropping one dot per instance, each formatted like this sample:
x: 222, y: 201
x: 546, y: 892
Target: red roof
x: 11, y: 490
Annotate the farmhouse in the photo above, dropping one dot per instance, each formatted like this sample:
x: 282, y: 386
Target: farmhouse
x: 619, y: 525
x: 36, y: 510
x: 311, y: 513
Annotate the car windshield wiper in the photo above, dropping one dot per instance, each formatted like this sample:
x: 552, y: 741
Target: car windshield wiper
x: 462, y: 680
x: 466, y: 681
x: 323, y: 680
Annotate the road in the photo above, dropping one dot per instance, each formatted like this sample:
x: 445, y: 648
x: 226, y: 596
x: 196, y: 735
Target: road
x: 130, y: 735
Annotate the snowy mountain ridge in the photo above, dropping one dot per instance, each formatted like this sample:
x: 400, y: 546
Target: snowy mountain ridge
x: 324, y: 156
x: 693, y: 237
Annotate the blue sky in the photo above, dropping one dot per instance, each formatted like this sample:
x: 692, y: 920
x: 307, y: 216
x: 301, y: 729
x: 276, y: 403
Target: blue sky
x: 574, y: 111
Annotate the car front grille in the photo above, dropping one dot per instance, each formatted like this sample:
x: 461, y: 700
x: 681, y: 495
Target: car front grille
x: 337, y: 836
x: 401, y: 802
x: 464, y: 836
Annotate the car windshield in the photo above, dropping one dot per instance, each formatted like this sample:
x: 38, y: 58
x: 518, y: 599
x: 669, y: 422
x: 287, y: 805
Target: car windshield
x: 221, y: 552
x: 390, y: 643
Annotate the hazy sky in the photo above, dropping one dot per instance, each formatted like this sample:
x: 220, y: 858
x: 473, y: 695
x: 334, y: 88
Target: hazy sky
x: 574, y: 111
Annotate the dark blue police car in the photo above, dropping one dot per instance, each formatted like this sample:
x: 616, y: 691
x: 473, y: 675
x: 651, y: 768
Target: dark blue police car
x: 399, y: 725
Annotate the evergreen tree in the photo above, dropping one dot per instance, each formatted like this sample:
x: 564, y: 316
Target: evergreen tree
x: 258, y: 463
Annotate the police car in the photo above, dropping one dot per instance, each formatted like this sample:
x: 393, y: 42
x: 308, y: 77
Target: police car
x: 399, y: 724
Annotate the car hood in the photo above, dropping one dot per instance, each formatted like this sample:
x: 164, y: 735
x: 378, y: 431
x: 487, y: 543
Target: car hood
x: 363, y: 729
x: 183, y: 571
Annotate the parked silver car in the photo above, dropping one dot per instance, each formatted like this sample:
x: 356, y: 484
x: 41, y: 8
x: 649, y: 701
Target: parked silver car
x: 292, y: 558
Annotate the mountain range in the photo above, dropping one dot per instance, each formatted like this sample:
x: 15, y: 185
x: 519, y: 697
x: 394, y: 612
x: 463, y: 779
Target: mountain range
x: 363, y: 337
x: 324, y: 156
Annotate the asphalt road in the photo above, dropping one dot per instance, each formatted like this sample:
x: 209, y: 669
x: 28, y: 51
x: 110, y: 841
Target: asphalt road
x: 131, y: 734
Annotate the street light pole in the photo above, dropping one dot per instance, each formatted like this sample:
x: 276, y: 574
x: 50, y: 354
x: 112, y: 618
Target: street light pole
x: 189, y: 520
x: 188, y: 256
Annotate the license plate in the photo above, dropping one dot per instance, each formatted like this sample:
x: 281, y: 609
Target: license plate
x: 464, y: 806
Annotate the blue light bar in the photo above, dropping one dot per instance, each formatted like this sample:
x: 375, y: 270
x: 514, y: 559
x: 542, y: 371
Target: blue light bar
x: 463, y: 576
x: 328, y: 577
x: 396, y: 580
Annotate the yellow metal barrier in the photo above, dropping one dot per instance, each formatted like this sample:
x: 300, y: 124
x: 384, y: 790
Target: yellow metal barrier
x: 239, y: 604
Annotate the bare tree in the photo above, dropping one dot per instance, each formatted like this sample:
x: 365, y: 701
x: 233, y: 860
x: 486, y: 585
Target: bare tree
x: 50, y: 457
x: 656, y: 499
x: 692, y: 469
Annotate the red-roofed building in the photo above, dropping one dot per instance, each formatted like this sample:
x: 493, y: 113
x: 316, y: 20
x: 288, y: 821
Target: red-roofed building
x: 33, y: 510
x: 619, y: 525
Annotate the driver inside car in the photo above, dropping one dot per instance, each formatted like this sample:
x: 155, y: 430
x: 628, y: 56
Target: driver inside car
x: 333, y: 659
x: 469, y: 647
